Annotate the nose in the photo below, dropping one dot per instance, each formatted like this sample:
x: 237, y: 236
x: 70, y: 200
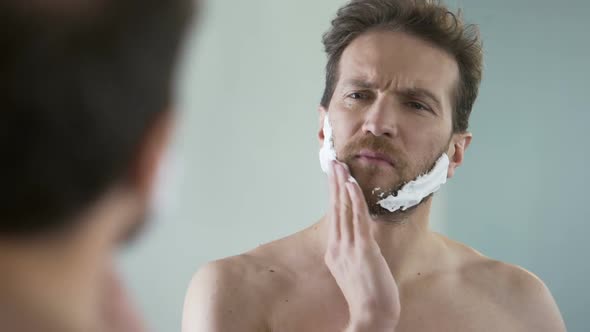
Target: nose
x: 381, y: 119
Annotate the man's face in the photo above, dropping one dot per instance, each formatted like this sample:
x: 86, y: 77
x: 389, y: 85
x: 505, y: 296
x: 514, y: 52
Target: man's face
x: 391, y: 110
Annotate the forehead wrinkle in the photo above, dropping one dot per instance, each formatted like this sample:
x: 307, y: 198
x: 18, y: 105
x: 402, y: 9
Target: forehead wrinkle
x: 360, y: 70
x: 360, y: 61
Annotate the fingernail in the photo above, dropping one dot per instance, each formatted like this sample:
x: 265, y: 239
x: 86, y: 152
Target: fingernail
x: 351, y: 179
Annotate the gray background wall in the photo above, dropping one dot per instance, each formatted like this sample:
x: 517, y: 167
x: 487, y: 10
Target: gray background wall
x: 243, y: 166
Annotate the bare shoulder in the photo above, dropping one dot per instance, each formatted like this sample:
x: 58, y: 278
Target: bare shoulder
x: 236, y: 293
x: 519, y: 292
x: 227, y: 295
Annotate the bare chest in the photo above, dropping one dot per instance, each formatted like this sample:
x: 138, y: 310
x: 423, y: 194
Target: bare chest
x: 321, y: 307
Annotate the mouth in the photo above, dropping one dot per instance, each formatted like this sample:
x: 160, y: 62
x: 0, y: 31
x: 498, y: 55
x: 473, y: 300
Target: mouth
x: 372, y: 157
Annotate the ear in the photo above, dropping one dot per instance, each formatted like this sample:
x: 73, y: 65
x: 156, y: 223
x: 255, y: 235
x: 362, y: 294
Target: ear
x: 150, y: 153
x: 456, y: 152
x: 322, y: 112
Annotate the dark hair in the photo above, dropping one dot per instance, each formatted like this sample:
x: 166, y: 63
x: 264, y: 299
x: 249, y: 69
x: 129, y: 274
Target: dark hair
x: 425, y: 19
x: 79, y: 88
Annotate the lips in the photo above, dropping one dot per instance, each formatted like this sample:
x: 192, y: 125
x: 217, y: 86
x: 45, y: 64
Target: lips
x: 375, y: 156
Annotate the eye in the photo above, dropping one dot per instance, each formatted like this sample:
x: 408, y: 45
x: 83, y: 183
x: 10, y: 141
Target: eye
x: 418, y: 106
x: 358, y: 95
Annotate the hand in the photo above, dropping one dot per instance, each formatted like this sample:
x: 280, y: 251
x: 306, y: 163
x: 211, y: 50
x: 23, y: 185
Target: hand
x: 355, y: 260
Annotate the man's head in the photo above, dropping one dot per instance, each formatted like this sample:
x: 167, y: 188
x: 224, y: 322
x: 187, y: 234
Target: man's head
x: 86, y: 90
x: 401, y: 80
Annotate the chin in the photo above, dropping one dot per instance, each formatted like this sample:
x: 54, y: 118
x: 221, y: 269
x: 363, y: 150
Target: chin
x: 369, y: 181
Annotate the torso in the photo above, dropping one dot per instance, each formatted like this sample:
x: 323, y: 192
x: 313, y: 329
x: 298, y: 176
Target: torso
x: 437, y: 303
x: 296, y: 292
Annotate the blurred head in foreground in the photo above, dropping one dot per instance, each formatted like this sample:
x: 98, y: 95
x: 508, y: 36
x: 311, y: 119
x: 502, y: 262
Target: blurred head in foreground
x: 86, y: 95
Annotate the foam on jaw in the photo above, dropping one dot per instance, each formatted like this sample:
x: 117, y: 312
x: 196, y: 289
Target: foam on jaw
x: 410, y: 194
x: 415, y: 191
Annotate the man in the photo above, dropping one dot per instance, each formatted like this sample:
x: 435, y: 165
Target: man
x: 402, y: 77
x: 86, y: 97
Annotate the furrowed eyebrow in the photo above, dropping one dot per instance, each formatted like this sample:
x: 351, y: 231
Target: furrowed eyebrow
x: 420, y: 93
x: 360, y: 83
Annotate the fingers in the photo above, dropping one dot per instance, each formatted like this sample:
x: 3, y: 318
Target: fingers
x: 349, y: 213
x: 345, y: 205
x: 360, y: 211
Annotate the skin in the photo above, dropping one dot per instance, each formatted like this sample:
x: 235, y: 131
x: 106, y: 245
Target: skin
x: 66, y: 281
x: 352, y: 271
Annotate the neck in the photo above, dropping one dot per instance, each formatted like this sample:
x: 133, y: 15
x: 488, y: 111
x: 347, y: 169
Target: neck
x: 409, y: 247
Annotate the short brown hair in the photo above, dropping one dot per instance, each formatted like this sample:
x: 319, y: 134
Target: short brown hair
x: 425, y: 19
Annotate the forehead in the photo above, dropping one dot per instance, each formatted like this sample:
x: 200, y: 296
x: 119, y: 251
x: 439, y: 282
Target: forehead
x: 399, y: 60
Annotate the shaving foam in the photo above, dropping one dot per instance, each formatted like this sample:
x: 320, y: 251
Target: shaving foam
x: 327, y: 151
x: 415, y: 191
x: 410, y: 194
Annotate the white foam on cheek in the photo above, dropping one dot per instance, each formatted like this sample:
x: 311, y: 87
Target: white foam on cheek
x: 327, y: 152
x: 410, y: 195
x: 415, y: 191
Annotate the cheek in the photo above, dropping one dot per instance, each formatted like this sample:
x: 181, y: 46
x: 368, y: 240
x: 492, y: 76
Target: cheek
x: 423, y: 145
x: 67, y: 289
x: 87, y: 281
x: 345, y: 125
x: 88, y: 266
x: 417, y: 133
